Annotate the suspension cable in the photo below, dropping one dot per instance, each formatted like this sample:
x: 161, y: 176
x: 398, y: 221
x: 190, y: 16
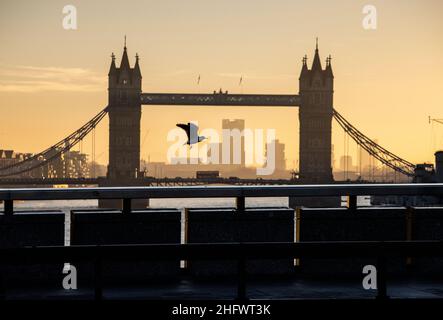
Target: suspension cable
x: 378, y: 152
x: 42, y: 158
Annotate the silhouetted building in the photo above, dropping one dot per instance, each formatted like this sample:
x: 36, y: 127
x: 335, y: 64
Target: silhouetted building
x: 280, y: 157
x: 215, y: 152
x: 155, y: 169
x: 71, y: 164
x: 364, y: 161
x: 97, y: 170
x: 346, y: 163
x: 236, y: 140
x: 8, y: 158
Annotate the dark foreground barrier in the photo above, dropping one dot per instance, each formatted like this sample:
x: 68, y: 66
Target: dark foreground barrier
x: 354, y: 223
x: 251, y: 225
x: 150, y: 226
x: 371, y: 224
x: 35, y: 228
x: 342, y: 224
x: 426, y: 224
x: 240, y: 252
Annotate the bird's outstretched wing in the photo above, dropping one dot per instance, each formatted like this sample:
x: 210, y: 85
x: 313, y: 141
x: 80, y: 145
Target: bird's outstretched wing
x: 185, y: 127
x: 193, y: 133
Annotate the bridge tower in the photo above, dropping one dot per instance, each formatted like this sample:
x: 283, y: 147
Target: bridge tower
x: 315, y: 115
x: 124, y: 109
x: 124, y: 87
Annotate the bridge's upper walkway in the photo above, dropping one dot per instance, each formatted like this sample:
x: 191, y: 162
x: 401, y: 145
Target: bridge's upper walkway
x: 220, y: 99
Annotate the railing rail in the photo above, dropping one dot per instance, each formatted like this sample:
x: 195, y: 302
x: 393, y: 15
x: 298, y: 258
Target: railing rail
x: 239, y: 192
x: 412, y: 189
x: 219, y: 251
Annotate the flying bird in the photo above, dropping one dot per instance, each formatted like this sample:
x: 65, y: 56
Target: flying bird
x: 191, y: 130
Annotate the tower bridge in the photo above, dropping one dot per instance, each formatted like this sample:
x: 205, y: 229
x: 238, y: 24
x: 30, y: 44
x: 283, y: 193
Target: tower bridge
x: 125, y: 101
x: 315, y: 100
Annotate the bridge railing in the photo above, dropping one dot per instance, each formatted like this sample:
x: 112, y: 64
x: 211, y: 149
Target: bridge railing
x: 126, y: 194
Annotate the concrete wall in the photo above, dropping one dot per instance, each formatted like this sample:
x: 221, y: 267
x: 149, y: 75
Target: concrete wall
x: 139, y: 227
x: 36, y: 228
x: 253, y: 225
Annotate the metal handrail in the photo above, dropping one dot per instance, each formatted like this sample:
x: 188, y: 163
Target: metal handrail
x: 325, y: 190
x: 219, y: 251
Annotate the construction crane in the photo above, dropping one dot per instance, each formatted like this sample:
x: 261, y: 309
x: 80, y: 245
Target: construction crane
x: 430, y: 120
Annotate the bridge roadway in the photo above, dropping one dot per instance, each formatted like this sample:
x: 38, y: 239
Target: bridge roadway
x: 149, y: 181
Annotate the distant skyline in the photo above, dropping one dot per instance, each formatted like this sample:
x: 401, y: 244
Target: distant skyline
x: 387, y: 81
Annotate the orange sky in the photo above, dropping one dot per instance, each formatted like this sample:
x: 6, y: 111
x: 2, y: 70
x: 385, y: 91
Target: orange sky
x: 387, y: 81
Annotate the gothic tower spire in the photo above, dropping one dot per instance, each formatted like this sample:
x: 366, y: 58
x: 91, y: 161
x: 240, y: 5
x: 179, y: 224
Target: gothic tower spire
x: 137, y: 72
x: 112, y: 68
x: 316, y: 63
x: 125, y: 60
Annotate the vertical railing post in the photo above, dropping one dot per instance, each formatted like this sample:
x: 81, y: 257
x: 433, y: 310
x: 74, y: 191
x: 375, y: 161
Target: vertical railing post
x: 352, y: 202
x: 240, y: 204
x: 127, y: 205
x: 297, y: 221
x: 9, y: 207
x: 185, y: 217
